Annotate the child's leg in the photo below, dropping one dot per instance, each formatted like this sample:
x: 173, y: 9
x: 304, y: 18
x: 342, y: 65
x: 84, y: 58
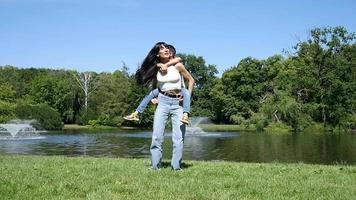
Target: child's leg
x: 145, y: 101
x: 186, y: 100
x: 186, y: 106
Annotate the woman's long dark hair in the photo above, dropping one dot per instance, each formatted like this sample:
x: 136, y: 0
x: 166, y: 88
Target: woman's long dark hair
x: 146, y: 74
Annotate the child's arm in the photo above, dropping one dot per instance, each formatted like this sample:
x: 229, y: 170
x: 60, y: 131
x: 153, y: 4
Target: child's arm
x: 172, y: 61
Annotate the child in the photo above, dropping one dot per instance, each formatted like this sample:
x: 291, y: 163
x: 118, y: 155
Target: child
x: 154, y: 93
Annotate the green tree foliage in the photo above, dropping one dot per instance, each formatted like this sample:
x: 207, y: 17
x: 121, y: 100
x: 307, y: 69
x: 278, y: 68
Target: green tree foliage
x: 279, y: 104
x: 326, y: 67
x: 240, y: 90
x: 7, y: 93
x: 7, y: 111
x: 46, y: 117
x: 110, y: 98
x: 205, y: 78
x: 7, y: 102
x: 281, y: 107
x: 56, y: 89
x: 19, y: 79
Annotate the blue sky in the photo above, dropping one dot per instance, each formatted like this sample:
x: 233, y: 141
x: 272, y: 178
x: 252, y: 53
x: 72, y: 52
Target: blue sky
x: 95, y: 35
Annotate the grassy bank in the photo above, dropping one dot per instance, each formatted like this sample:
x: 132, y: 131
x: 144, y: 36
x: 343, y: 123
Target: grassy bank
x: 225, y: 127
x: 87, y: 127
x: 274, y: 128
x: 32, y: 177
x: 205, y: 127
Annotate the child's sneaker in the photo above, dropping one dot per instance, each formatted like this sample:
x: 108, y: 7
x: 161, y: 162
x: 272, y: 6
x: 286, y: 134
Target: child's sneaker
x: 185, y: 119
x: 132, y: 117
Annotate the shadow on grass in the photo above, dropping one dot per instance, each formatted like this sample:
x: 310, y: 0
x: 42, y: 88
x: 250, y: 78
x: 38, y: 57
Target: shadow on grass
x: 167, y: 164
x: 183, y: 165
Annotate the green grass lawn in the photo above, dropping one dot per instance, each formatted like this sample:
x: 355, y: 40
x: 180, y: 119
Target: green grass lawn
x: 35, y: 177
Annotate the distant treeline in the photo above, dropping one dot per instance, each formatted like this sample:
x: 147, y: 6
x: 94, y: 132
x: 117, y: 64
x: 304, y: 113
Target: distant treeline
x: 314, y: 84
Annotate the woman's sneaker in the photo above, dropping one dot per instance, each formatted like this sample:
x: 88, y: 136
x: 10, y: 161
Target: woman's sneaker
x: 185, y: 119
x: 132, y: 117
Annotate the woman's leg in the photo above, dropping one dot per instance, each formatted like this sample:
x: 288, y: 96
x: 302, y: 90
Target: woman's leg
x: 159, y: 124
x: 178, y: 131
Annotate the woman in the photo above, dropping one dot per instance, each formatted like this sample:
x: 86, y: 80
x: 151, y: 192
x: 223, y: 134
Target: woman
x: 169, y: 84
x: 153, y: 94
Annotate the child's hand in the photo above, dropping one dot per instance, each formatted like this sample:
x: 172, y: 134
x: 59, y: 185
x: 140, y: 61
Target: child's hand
x: 181, y: 98
x: 164, y: 68
x: 154, y: 101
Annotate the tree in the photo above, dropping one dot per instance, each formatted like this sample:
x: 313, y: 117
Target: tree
x: 88, y: 84
x: 46, y: 117
x: 7, y: 111
x: 111, y: 98
x: 204, y: 76
x: 20, y: 79
x: 57, y: 90
x: 326, y: 65
x: 240, y: 89
x: 7, y: 93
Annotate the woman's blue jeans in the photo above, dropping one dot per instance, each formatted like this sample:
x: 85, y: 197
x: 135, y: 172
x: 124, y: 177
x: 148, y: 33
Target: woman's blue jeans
x: 167, y: 107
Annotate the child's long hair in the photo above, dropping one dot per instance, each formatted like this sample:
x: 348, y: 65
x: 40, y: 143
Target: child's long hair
x: 146, y: 74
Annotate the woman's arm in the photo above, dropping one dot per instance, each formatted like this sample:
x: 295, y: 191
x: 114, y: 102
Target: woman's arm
x: 187, y: 76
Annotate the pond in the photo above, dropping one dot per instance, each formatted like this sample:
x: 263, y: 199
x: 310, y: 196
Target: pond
x: 229, y: 146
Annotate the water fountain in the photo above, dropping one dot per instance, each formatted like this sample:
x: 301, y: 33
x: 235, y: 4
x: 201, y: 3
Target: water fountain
x: 18, y: 129
x: 193, y: 128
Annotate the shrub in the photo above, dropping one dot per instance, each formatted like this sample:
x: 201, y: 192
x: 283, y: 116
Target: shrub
x: 278, y: 127
x: 349, y: 122
x: 237, y: 119
x: 259, y: 120
x: 93, y: 123
x: 85, y: 116
x: 7, y: 111
x: 47, y: 117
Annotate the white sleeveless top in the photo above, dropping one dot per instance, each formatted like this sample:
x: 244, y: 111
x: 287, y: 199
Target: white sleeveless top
x: 170, y: 80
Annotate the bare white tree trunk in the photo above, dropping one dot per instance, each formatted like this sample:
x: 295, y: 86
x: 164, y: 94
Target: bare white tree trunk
x: 87, y: 84
x: 275, y: 115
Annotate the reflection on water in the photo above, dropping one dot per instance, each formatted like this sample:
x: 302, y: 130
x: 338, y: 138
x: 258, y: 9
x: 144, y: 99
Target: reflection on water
x: 232, y: 146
